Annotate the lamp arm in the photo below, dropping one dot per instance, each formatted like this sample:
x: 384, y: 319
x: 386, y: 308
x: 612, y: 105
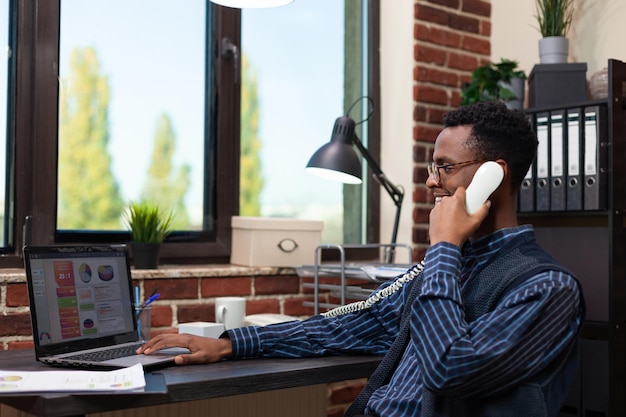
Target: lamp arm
x: 396, y: 193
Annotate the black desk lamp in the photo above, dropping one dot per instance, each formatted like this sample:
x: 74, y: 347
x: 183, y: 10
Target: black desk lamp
x: 338, y: 161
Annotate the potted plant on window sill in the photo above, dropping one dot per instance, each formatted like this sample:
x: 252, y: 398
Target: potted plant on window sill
x: 554, y: 18
x: 149, y: 225
x: 501, y: 81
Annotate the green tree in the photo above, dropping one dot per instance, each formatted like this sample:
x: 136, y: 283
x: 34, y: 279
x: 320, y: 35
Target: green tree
x: 163, y: 186
x: 251, y: 179
x: 88, y: 194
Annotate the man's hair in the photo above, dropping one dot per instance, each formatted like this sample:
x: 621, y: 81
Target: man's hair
x: 498, y: 133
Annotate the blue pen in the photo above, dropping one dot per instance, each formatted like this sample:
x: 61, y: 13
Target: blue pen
x: 141, y: 307
x: 150, y: 300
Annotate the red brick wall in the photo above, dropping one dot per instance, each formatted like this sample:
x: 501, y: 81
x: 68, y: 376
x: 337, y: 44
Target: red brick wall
x: 182, y: 300
x: 452, y: 38
x: 15, y: 331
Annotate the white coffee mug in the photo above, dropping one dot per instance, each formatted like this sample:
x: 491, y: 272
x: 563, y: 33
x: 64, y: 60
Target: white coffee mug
x: 231, y: 311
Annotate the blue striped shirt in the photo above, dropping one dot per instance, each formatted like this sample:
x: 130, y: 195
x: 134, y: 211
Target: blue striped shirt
x: 528, y: 329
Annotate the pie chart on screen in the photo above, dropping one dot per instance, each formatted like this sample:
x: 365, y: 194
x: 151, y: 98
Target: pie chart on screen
x: 84, y: 271
x: 105, y: 272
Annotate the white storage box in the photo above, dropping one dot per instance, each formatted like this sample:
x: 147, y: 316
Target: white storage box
x: 262, y: 241
x: 202, y: 328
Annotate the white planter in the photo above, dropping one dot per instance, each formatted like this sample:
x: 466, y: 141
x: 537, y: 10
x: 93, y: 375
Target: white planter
x: 553, y: 50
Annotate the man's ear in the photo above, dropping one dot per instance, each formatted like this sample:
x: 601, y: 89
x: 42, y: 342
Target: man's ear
x: 506, y: 181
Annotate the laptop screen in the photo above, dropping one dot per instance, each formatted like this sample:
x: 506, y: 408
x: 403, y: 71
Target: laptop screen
x: 80, y: 296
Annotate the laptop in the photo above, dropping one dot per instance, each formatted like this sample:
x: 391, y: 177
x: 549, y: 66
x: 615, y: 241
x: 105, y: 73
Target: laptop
x: 81, y: 307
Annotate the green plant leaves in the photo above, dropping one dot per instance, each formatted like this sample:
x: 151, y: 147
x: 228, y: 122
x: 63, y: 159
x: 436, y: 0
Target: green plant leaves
x: 147, y: 222
x: 487, y: 82
x: 554, y: 16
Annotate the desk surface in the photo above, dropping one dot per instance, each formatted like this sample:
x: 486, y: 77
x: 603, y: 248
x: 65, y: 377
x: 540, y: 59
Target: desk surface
x: 189, y: 383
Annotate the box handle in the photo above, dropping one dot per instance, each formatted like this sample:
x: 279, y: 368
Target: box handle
x: 287, y: 245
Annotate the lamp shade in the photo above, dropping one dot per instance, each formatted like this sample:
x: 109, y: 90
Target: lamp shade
x: 244, y: 4
x: 337, y: 160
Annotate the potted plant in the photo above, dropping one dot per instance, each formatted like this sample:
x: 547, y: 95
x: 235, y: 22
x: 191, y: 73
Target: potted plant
x: 554, y: 18
x: 149, y: 225
x: 496, y: 81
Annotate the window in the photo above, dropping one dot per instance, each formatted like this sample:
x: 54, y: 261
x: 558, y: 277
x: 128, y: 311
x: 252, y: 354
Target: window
x: 59, y: 46
x: 6, y: 41
x: 39, y: 121
x: 297, y: 78
x: 132, y: 112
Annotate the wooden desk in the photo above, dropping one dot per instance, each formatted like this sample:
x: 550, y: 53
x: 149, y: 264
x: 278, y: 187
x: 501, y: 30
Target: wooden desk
x: 190, y: 383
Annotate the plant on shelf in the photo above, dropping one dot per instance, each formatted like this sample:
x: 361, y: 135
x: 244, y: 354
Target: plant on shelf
x: 495, y: 82
x: 554, y: 18
x: 149, y: 225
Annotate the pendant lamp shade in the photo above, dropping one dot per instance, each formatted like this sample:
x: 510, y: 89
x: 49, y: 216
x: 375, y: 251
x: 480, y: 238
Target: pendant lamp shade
x: 253, y: 4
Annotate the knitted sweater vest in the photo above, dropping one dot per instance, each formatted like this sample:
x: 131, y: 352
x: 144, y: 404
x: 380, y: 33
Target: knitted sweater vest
x: 544, y: 393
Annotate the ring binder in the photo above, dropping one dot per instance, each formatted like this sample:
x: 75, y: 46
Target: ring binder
x: 526, y: 200
x: 542, y: 180
x: 557, y: 158
x: 574, y: 182
x: 595, y: 159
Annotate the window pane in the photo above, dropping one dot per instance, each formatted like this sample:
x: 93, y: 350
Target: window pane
x: 131, y: 110
x: 4, y: 100
x: 292, y: 92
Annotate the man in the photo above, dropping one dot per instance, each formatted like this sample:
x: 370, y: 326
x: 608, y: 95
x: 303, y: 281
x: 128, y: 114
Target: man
x: 493, y: 329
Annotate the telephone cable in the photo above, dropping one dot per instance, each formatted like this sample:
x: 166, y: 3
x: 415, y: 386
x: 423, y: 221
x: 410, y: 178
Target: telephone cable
x: 408, y: 276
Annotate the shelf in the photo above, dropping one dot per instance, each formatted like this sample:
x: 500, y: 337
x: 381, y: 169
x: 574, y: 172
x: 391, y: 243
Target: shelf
x: 374, y: 272
x: 592, y: 244
x: 368, y: 272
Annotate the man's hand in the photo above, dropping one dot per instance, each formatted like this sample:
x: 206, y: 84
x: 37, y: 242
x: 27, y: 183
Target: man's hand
x: 450, y: 221
x: 202, y: 349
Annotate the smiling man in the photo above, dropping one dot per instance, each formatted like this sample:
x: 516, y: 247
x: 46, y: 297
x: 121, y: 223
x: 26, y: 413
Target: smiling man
x: 488, y: 328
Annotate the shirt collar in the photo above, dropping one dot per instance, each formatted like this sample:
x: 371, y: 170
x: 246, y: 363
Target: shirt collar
x: 484, y: 246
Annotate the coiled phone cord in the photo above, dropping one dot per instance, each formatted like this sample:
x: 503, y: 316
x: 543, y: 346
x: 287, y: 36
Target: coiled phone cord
x: 409, y: 275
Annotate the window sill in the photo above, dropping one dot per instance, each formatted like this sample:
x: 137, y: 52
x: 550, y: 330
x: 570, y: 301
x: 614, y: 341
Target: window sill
x: 9, y: 275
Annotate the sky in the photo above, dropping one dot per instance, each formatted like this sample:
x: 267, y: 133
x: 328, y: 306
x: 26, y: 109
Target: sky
x: 299, y: 66
x: 154, y: 59
x: 300, y: 74
x: 152, y: 52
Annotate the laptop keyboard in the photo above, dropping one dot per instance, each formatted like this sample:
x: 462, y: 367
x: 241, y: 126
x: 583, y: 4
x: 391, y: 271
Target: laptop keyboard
x: 107, y: 354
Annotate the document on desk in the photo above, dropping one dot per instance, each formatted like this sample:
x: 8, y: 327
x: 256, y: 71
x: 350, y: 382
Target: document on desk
x: 384, y: 272
x: 124, y: 379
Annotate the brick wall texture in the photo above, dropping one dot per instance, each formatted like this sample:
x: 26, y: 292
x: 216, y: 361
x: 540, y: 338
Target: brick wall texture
x: 451, y: 38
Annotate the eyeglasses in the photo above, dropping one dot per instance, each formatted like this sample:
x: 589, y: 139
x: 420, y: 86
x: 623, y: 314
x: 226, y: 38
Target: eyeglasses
x: 433, y: 168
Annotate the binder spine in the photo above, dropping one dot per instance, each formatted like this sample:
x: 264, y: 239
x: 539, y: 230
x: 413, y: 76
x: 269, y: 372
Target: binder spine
x: 557, y: 161
x: 542, y: 179
x: 526, y: 199
x: 574, y: 181
x: 595, y: 158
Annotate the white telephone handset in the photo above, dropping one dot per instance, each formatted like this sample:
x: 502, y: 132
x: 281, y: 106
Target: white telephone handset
x: 486, y: 179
